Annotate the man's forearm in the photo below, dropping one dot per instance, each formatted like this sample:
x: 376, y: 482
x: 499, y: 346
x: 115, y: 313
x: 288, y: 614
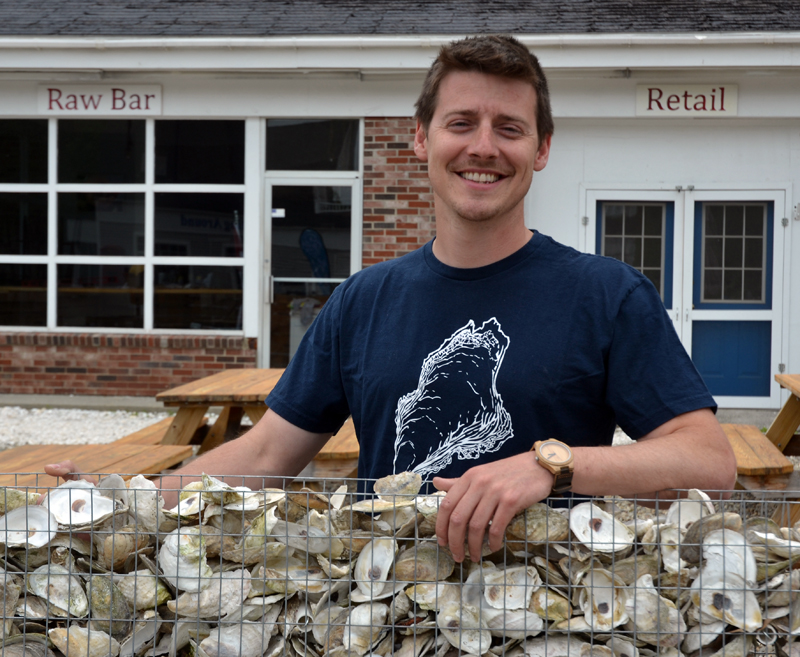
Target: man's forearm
x: 689, y: 452
x: 263, y: 457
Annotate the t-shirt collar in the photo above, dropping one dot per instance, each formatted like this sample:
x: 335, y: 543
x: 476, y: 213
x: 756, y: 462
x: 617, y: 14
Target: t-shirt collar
x: 476, y: 273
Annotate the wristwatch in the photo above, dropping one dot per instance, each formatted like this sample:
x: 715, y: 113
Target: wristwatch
x: 555, y: 456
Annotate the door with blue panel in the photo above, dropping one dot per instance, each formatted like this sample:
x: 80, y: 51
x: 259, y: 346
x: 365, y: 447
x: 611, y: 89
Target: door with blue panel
x: 732, y: 270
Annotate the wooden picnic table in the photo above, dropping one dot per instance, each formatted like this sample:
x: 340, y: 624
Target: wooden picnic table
x: 242, y: 392
x: 23, y: 466
x: 785, y: 486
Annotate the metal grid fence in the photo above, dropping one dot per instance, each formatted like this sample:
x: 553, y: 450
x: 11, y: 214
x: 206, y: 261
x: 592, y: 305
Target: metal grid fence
x: 318, y: 568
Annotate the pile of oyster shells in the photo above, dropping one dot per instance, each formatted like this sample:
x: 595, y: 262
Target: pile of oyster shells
x: 314, y: 571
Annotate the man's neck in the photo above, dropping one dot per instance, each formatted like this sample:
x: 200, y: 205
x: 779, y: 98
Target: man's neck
x: 469, y: 245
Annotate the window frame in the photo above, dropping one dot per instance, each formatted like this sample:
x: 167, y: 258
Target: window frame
x: 698, y: 266
x: 148, y: 260
x: 667, y: 239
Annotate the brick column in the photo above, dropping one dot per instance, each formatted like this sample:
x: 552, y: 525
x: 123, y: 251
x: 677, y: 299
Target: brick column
x: 398, y: 201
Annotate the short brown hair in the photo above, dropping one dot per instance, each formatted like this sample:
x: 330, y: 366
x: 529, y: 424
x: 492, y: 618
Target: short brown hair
x: 495, y: 54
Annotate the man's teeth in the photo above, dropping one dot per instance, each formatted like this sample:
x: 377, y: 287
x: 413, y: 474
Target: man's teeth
x: 480, y: 177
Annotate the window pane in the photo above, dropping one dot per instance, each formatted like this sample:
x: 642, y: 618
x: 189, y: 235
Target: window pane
x: 312, y: 144
x: 99, y: 224
x: 23, y: 224
x: 714, y: 219
x: 311, y: 231
x: 652, y: 252
x: 633, y: 251
x: 653, y: 220
x: 733, y: 252
x: 713, y: 252
x: 633, y: 219
x: 712, y: 285
x: 199, y: 225
x: 296, y: 305
x: 754, y: 220
x: 100, y: 295
x: 655, y: 277
x: 732, y: 287
x: 100, y: 151
x: 754, y: 252
x: 200, y: 152
x: 752, y: 286
x: 613, y: 247
x: 613, y: 219
x: 23, y: 295
x: 734, y: 220
x: 195, y: 297
x: 23, y: 151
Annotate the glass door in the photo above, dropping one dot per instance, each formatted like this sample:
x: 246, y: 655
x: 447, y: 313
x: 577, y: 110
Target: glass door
x: 313, y: 243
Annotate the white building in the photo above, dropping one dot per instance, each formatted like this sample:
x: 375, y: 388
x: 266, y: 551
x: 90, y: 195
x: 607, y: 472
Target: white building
x: 677, y: 149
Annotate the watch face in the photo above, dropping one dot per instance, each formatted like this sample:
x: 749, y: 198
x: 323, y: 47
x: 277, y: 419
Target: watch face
x: 555, y: 452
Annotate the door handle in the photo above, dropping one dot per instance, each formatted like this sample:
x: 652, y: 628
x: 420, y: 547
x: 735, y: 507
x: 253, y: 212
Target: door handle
x: 686, y: 317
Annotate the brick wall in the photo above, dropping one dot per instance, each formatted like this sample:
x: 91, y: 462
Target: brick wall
x: 398, y: 201
x: 106, y: 364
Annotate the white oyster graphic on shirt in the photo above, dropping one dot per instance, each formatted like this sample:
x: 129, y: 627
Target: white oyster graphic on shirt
x: 455, y: 411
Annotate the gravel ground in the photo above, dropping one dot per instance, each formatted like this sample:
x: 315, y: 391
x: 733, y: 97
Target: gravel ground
x: 72, y: 426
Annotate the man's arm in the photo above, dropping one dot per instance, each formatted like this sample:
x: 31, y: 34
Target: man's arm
x: 689, y: 451
x: 272, y: 449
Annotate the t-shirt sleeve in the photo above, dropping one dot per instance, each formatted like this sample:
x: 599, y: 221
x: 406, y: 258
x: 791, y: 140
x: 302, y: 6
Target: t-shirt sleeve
x: 310, y: 394
x: 651, y: 378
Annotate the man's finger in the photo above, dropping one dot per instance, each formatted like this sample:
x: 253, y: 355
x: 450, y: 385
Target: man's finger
x: 502, y: 516
x: 477, y: 527
x: 440, y: 483
x: 446, y: 506
x: 458, y: 518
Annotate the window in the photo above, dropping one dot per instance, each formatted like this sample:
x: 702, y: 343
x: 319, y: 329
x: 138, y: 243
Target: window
x: 734, y: 253
x: 148, y: 217
x: 639, y: 234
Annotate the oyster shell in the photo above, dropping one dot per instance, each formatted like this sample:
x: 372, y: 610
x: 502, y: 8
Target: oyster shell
x: 598, y: 530
x: 465, y: 629
x: 603, y: 600
x: 182, y: 559
x: 77, y: 641
x: 60, y: 589
x: 374, y: 564
x: 27, y: 526
x: 78, y: 504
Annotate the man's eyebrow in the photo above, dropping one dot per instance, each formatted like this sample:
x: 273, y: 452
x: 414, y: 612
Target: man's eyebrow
x: 473, y: 113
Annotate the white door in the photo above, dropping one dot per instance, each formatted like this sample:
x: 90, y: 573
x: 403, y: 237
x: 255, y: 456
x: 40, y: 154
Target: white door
x: 732, y: 323
x: 716, y: 257
x: 312, y: 242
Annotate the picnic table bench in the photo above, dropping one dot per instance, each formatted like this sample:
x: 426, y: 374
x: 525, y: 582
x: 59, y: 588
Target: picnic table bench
x: 760, y: 459
x: 23, y: 466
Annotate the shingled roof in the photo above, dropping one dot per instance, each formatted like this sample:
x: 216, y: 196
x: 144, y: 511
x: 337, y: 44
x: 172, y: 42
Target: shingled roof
x: 251, y: 18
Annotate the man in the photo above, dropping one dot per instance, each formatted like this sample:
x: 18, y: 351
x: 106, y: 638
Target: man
x: 454, y: 359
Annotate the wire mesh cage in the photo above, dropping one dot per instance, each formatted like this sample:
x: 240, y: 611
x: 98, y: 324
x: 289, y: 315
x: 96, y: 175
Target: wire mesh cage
x: 351, y: 567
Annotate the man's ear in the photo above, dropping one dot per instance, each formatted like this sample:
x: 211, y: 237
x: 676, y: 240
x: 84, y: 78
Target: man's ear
x: 543, y: 154
x: 421, y: 143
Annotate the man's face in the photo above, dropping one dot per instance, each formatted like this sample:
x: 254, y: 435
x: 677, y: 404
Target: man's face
x: 481, y: 146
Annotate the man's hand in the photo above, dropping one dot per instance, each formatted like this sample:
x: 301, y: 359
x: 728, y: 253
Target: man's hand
x: 493, y: 492
x: 67, y: 470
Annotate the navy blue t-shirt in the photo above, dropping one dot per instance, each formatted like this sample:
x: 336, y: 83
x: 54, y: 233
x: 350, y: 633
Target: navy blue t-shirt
x: 443, y: 369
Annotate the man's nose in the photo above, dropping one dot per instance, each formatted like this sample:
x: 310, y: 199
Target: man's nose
x: 484, y: 143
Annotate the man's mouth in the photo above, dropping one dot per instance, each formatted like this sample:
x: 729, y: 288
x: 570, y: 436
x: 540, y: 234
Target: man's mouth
x: 480, y: 177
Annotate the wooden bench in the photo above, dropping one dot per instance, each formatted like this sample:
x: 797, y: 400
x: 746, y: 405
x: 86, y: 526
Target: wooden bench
x: 154, y: 434
x: 24, y: 465
x: 755, y: 454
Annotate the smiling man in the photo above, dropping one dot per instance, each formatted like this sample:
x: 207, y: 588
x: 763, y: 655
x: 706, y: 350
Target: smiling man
x: 455, y: 359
